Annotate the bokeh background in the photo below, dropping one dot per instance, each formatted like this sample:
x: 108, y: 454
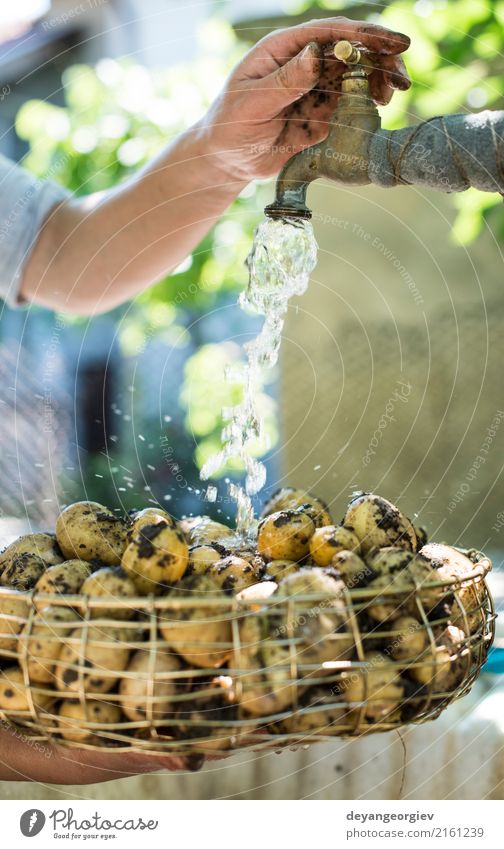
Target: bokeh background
x: 391, y: 374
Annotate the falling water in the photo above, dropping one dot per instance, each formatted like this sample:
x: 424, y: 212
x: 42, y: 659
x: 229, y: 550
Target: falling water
x: 283, y: 255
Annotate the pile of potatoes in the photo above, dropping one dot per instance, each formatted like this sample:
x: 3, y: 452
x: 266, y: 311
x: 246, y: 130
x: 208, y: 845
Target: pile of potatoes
x: 313, y: 628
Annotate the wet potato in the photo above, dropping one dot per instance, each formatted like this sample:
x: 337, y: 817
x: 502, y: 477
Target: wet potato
x: 40, y: 641
x: 74, y: 716
x: 378, y: 522
x: 146, y: 694
x: 42, y: 545
x: 99, y: 654
x: 467, y: 608
x: 202, y: 557
x: 285, y: 535
x: 62, y: 579
x: 330, y: 540
x: 442, y: 667
x: 156, y: 558
x: 289, y: 498
x: 376, y: 687
x: 234, y: 573
x: 114, y: 584
x: 279, y: 569
x: 14, y: 611
x: 14, y: 694
x: 201, y: 530
x: 353, y: 571
x: 89, y: 531
x: 23, y: 572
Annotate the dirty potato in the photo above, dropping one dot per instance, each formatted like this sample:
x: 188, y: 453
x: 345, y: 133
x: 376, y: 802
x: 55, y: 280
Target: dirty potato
x: 202, y: 557
x: 279, y: 569
x: 201, y: 530
x: 201, y: 635
x: 75, y: 719
x: 264, y: 671
x: 377, y: 522
x: 150, y: 516
x: 42, y: 545
x: 410, y: 640
x: 289, y: 498
x: 285, y: 535
x: 330, y: 540
x: 234, y: 573
x: 467, y: 609
x: 319, y: 627
x: 114, y: 584
x: 443, y: 668
x: 156, y: 558
x: 14, y: 694
x: 40, y: 642
x: 14, y: 610
x: 62, y: 579
x: 91, y: 660
x: 354, y: 572
x: 23, y: 572
x: 148, y: 685
x: 89, y: 531
x: 377, y: 687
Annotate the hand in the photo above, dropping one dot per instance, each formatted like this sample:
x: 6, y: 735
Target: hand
x: 279, y: 99
x: 24, y: 759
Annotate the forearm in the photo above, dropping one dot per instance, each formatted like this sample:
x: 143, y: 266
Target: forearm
x: 94, y: 253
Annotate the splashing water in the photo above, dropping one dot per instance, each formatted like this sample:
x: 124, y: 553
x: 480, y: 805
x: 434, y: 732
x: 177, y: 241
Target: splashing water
x: 283, y: 254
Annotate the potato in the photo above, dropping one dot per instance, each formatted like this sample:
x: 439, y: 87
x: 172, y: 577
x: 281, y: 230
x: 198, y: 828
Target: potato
x: 449, y: 563
x: 285, y: 535
x: 256, y: 593
x: 99, y: 657
x: 62, y: 579
x: 156, y: 559
x: 278, y: 569
x: 89, y: 531
x: 377, y: 522
x: 234, y: 573
x: 289, y: 498
x: 388, y: 560
x: 410, y: 641
x: 14, y: 695
x: 14, y: 610
x: 409, y: 576
x: 111, y: 583
x: 41, y: 644
x: 150, y: 516
x: 377, y: 684
x: 390, y: 605
x: 321, y: 712
x: 201, y: 635
x: 330, y: 540
x: 443, y: 668
x: 354, y: 572
x: 320, y: 628
x: 23, y: 572
x: 43, y: 545
x: 421, y: 536
x: 201, y: 530
x: 202, y: 557
x: 74, y: 716
x: 263, y: 667
x: 146, y: 694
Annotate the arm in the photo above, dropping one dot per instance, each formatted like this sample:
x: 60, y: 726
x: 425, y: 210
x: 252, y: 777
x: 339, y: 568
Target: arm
x: 94, y: 253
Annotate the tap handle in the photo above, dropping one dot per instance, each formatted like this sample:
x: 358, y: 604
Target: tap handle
x: 347, y: 52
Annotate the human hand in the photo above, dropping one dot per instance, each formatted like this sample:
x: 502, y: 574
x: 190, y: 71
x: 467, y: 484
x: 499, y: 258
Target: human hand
x: 280, y: 97
x: 24, y: 759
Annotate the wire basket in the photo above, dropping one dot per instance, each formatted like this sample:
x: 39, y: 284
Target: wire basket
x: 235, y: 673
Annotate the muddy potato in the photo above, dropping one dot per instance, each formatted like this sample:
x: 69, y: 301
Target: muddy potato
x: 62, y: 579
x: 74, y: 716
x: 42, y: 545
x: 150, y: 516
x: 99, y: 657
x: 23, y: 572
x: 264, y: 679
x: 392, y: 595
x: 443, y: 668
x: 378, y: 685
x: 202, y: 557
x: 279, y: 569
x: 285, y: 535
x: 14, y: 610
x: 320, y: 627
x: 289, y: 498
x: 409, y: 575
x: 321, y: 713
x: 112, y: 583
x: 146, y: 693
x: 449, y: 563
x: 377, y: 522
x: 410, y: 641
x: 88, y: 531
x: 330, y: 540
x: 41, y: 643
x: 201, y: 530
x: 354, y: 571
x: 156, y: 558
x: 201, y: 635
x: 234, y: 573
x: 14, y: 695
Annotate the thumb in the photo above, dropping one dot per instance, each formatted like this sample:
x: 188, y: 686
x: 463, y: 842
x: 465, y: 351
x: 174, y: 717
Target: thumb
x: 291, y: 81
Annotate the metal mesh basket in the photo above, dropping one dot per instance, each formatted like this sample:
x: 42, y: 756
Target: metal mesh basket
x: 274, y: 685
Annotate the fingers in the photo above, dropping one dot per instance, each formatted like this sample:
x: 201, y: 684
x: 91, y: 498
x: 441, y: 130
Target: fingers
x: 394, y: 72
x: 288, y: 83
x: 380, y: 90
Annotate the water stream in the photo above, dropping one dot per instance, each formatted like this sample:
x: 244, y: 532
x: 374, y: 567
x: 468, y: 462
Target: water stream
x: 284, y: 253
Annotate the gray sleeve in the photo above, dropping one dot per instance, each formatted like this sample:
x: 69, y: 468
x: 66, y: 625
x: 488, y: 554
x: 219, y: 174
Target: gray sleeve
x: 25, y: 202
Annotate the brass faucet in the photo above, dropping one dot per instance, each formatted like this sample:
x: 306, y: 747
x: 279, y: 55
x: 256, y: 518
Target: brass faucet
x: 449, y: 153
